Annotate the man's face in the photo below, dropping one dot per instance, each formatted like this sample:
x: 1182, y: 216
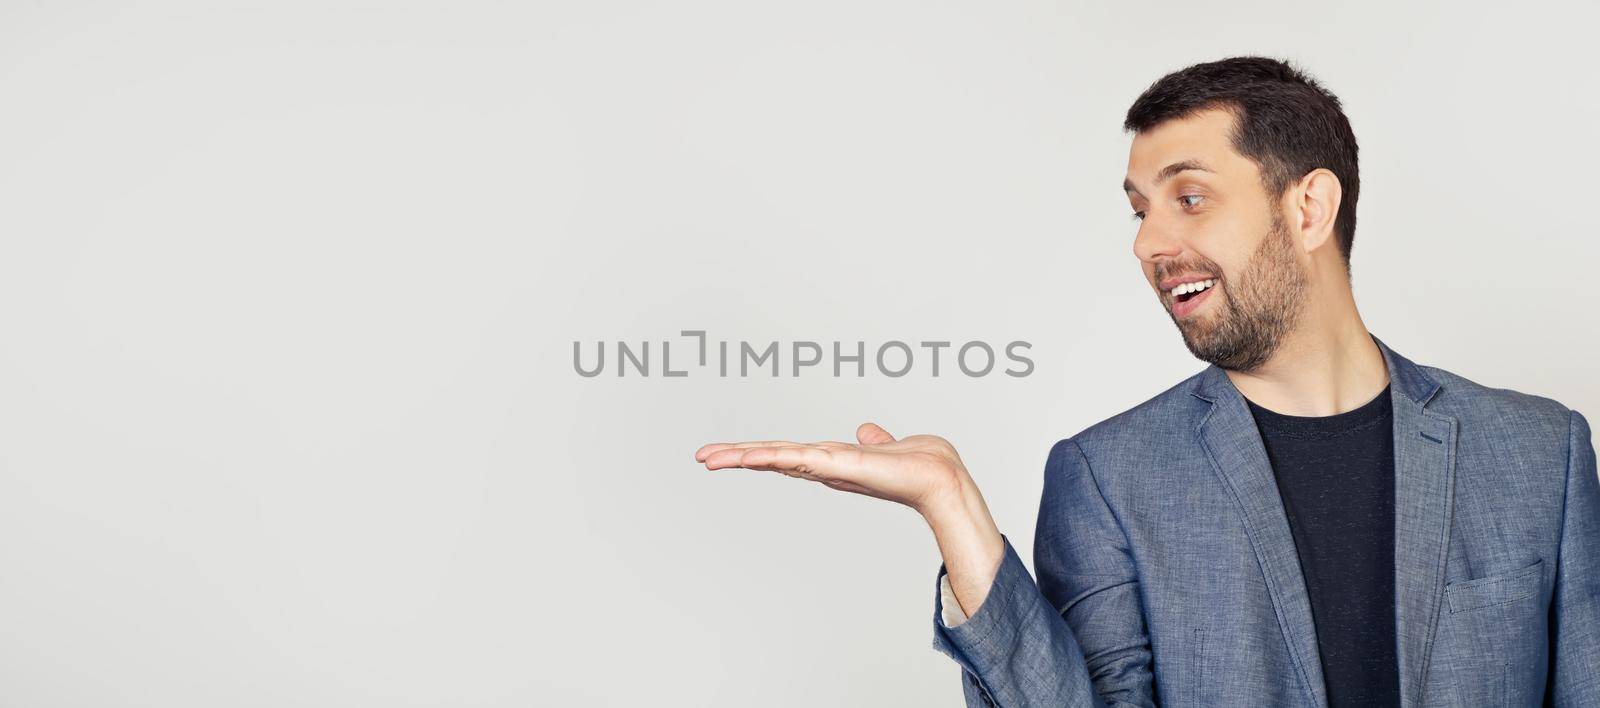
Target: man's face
x: 1206, y: 216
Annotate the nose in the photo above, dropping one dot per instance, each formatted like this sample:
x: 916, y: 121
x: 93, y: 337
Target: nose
x: 1154, y: 241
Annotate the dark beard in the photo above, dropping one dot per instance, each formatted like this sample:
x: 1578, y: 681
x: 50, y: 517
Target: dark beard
x: 1256, y: 312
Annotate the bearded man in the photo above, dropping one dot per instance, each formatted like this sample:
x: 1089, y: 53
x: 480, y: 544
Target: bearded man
x: 1311, y: 520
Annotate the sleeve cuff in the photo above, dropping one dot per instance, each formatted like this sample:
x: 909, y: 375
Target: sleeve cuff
x: 986, y: 638
x: 950, y: 610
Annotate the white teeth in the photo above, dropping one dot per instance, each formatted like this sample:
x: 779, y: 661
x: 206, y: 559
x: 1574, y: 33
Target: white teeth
x: 1193, y: 287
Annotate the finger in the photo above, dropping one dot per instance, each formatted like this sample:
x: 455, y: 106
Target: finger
x: 834, y: 445
x: 700, y: 455
x: 873, y: 434
x: 848, y: 467
x: 837, y: 471
x: 731, y: 455
x: 749, y: 458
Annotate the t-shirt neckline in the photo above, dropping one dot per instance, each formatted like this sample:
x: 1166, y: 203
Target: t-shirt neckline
x: 1358, y: 418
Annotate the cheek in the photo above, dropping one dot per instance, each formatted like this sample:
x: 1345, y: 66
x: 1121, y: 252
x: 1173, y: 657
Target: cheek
x: 1214, y: 259
x: 1229, y: 246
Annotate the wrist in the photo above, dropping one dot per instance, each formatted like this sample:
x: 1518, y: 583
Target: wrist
x: 960, y: 514
x: 953, y: 501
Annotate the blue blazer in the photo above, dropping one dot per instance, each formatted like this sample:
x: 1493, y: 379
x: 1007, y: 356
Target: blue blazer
x: 1168, y: 575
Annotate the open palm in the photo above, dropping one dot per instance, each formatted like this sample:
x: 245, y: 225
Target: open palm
x: 916, y: 471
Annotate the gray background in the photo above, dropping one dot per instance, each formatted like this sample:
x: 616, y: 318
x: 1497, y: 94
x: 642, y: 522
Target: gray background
x: 289, y: 291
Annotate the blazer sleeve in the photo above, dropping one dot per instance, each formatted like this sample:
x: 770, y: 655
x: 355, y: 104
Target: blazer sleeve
x: 1039, y: 644
x: 1575, y: 603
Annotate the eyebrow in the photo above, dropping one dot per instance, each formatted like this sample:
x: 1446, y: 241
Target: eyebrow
x: 1168, y: 172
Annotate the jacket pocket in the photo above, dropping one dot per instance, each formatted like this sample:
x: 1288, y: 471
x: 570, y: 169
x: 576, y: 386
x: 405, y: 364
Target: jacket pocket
x: 1518, y: 584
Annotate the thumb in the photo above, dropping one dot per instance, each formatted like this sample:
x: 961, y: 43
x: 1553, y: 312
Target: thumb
x: 873, y: 434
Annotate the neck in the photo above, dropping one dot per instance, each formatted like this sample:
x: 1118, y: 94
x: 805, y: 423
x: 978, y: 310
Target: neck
x: 1327, y: 365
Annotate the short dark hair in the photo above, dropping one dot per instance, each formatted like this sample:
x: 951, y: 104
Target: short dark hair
x: 1284, y: 121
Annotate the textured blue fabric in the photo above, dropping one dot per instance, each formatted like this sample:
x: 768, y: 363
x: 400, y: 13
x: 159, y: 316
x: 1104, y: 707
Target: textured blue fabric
x: 1167, y: 574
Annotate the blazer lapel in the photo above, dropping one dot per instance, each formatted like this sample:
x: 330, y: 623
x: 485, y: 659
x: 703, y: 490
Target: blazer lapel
x: 1424, y: 492
x: 1424, y: 448
x: 1229, y: 435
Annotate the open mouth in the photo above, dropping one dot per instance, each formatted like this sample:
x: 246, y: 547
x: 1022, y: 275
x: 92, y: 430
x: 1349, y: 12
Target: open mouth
x: 1187, y: 297
x: 1187, y: 291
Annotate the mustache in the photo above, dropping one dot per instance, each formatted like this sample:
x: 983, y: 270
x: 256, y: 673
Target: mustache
x: 1182, y: 269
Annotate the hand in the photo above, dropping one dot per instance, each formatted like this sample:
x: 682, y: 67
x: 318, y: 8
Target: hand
x: 920, y: 471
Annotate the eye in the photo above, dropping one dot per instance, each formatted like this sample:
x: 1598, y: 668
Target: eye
x: 1191, y: 196
x: 1138, y: 216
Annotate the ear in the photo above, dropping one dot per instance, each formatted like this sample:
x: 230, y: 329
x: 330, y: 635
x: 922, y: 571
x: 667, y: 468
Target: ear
x: 1317, y: 200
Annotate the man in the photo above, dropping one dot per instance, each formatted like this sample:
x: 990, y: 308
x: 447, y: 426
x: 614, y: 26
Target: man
x: 1311, y: 520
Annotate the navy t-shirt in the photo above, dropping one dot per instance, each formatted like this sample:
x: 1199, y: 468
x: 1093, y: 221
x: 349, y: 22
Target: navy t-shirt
x: 1336, y: 477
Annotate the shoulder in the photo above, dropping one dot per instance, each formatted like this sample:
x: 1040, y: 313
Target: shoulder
x: 1163, y: 418
x: 1480, y: 408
